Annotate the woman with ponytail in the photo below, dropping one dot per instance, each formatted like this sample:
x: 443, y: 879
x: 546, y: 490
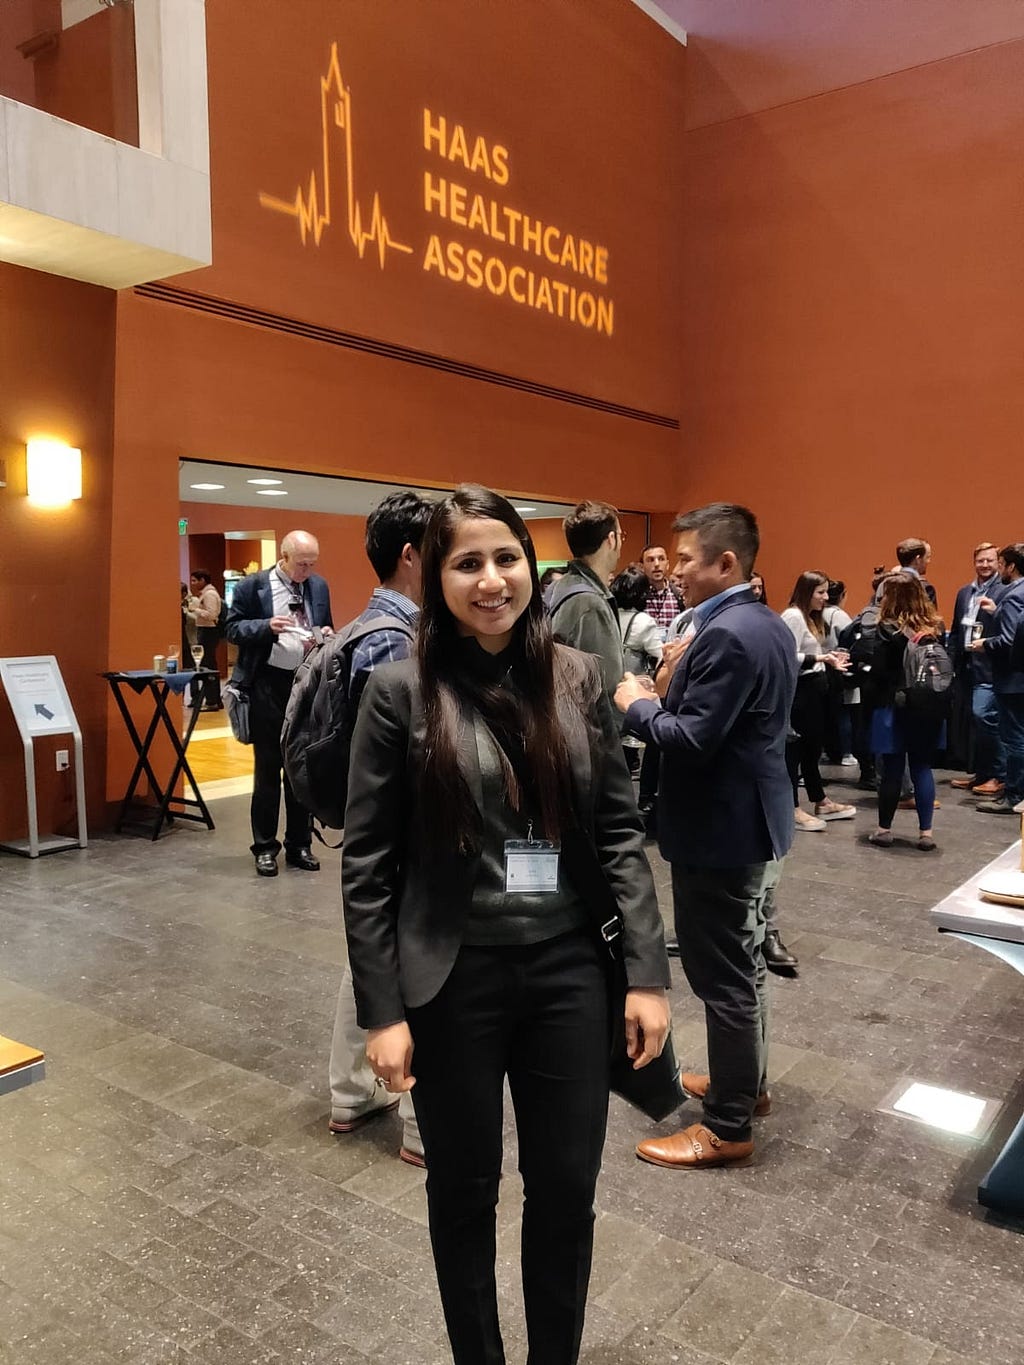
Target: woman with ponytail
x: 487, y: 791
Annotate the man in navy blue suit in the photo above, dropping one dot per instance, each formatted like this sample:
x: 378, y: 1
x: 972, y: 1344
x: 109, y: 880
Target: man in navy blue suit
x: 271, y: 619
x: 725, y: 816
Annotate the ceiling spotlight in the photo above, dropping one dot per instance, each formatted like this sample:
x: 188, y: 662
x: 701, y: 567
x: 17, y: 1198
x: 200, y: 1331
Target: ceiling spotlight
x: 268, y: 482
x: 116, y: 4
x: 205, y: 486
x: 526, y: 509
x: 271, y: 492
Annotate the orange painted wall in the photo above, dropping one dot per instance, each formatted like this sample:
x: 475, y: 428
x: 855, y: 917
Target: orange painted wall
x: 588, y: 99
x: 854, y: 310
x: 85, y: 74
x: 57, y: 381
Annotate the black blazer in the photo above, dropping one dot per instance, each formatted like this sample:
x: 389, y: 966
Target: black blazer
x: 724, y: 796
x: 406, y: 904
x: 248, y: 624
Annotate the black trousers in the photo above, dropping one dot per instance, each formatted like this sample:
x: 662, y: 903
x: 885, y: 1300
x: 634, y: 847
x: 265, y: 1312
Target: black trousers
x: 720, y: 926
x: 267, y: 701
x: 209, y: 692
x: 810, y: 706
x: 537, y: 1014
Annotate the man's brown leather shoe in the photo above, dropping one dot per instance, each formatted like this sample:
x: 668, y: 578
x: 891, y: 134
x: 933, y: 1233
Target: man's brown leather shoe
x: 989, y: 788
x: 963, y: 784
x: 693, y: 1149
x: 696, y: 1086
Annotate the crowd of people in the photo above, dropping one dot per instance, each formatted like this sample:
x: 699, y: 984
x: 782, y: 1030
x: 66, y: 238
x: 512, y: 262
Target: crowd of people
x: 516, y: 738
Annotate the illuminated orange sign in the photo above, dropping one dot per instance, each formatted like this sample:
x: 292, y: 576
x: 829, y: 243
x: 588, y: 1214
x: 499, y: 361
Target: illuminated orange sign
x: 519, y: 253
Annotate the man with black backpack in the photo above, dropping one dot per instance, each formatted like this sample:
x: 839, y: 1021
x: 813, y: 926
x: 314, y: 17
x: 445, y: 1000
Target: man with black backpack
x: 394, y: 533
x: 582, y: 609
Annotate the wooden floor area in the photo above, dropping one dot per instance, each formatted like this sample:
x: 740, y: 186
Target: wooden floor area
x: 215, y: 755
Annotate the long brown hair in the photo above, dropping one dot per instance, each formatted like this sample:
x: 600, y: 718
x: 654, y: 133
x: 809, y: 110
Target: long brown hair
x: 803, y: 590
x: 524, y: 713
x: 905, y: 604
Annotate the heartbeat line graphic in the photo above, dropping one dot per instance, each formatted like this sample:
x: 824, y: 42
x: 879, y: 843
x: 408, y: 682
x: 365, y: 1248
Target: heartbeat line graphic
x: 314, y: 217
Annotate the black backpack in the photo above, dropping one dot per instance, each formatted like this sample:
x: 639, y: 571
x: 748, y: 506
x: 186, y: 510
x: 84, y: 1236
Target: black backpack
x: 927, y: 677
x: 316, y: 738
x: 860, y: 639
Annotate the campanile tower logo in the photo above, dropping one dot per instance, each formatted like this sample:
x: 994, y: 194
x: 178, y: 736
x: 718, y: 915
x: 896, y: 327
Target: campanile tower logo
x: 312, y: 207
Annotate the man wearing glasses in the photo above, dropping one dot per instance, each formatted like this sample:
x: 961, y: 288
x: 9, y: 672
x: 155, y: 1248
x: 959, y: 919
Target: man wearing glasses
x: 272, y: 619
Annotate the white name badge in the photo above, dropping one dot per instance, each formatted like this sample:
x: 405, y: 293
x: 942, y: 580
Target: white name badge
x: 531, y: 865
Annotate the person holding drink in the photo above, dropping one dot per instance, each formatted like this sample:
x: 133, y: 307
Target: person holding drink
x: 805, y: 618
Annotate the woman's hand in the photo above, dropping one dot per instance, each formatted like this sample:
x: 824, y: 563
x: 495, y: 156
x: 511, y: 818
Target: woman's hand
x: 838, y: 659
x: 389, y: 1051
x: 647, y: 1025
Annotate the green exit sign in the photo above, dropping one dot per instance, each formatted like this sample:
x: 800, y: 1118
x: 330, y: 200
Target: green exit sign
x: 183, y: 526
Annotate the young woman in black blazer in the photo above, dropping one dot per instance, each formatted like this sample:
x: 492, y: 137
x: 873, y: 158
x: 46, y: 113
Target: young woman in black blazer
x: 494, y: 736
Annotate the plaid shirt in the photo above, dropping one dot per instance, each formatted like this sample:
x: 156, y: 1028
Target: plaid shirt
x: 664, y: 606
x: 383, y: 646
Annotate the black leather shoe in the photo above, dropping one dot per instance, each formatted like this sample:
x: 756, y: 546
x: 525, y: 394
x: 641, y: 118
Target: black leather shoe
x: 302, y: 857
x: 266, y: 865
x: 672, y: 947
x: 777, y: 957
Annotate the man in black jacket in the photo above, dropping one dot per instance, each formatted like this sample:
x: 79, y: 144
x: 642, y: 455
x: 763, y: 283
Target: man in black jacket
x: 271, y: 619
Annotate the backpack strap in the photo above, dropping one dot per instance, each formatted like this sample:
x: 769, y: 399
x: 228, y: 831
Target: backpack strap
x: 573, y: 591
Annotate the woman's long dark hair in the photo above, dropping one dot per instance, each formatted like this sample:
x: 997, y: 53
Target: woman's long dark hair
x: 522, y: 716
x: 803, y: 590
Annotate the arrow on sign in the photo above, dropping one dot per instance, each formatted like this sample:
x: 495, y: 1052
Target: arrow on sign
x: 43, y: 711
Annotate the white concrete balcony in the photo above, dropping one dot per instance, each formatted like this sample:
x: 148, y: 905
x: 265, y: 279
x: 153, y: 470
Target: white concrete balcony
x: 77, y: 203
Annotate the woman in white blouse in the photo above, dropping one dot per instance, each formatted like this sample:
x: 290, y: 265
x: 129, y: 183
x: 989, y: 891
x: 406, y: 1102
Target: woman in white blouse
x: 642, y: 639
x: 803, y: 616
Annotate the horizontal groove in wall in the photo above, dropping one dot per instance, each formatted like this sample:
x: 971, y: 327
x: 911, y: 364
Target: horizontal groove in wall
x: 277, y: 322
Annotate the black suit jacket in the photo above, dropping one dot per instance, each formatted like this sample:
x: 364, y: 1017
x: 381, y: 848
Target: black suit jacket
x: 248, y: 624
x: 406, y: 904
x: 724, y: 796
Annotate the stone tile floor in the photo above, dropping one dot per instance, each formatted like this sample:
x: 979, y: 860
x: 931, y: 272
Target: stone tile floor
x: 171, y: 1193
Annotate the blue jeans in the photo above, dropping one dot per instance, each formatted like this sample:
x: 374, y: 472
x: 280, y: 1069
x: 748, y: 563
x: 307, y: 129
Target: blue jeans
x: 1011, y: 730
x: 914, y: 739
x: 990, y: 758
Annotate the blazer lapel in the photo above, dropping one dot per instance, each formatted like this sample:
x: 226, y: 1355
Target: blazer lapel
x: 469, y: 760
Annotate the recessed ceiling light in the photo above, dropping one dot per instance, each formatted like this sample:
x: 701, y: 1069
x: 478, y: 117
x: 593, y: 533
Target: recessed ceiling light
x: 271, y: 492
x: 266, y: 481
x: 205, y: 486
x: 526, y: 509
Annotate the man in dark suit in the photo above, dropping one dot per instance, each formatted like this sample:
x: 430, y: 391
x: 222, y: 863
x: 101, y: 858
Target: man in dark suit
x: 1007, y: 680
x: 726, y: 816
x: 973, y: 671
x: 271, y: 619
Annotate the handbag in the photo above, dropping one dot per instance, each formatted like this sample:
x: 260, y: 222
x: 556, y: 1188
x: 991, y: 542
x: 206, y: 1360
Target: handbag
x: 236, y: 702
x: 656, y: 1088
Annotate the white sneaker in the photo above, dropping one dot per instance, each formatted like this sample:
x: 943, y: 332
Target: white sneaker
x: 848, y: 761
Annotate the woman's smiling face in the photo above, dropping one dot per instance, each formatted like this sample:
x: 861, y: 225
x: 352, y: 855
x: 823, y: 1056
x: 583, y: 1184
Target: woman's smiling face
x: 486, y: 581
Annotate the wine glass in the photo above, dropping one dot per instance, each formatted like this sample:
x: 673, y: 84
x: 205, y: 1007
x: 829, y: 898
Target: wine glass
x: 197, y: 655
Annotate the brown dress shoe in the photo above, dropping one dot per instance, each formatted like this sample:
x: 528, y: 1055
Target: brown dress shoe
x: 963, y: 784
x: 989, y: 788
x: 696, y: 1086
x: 693, y: 1149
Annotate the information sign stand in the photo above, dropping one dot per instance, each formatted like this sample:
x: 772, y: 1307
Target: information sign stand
x: 41, y: 706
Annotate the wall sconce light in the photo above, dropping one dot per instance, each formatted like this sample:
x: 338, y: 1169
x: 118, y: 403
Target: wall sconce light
x: 54, y: 473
